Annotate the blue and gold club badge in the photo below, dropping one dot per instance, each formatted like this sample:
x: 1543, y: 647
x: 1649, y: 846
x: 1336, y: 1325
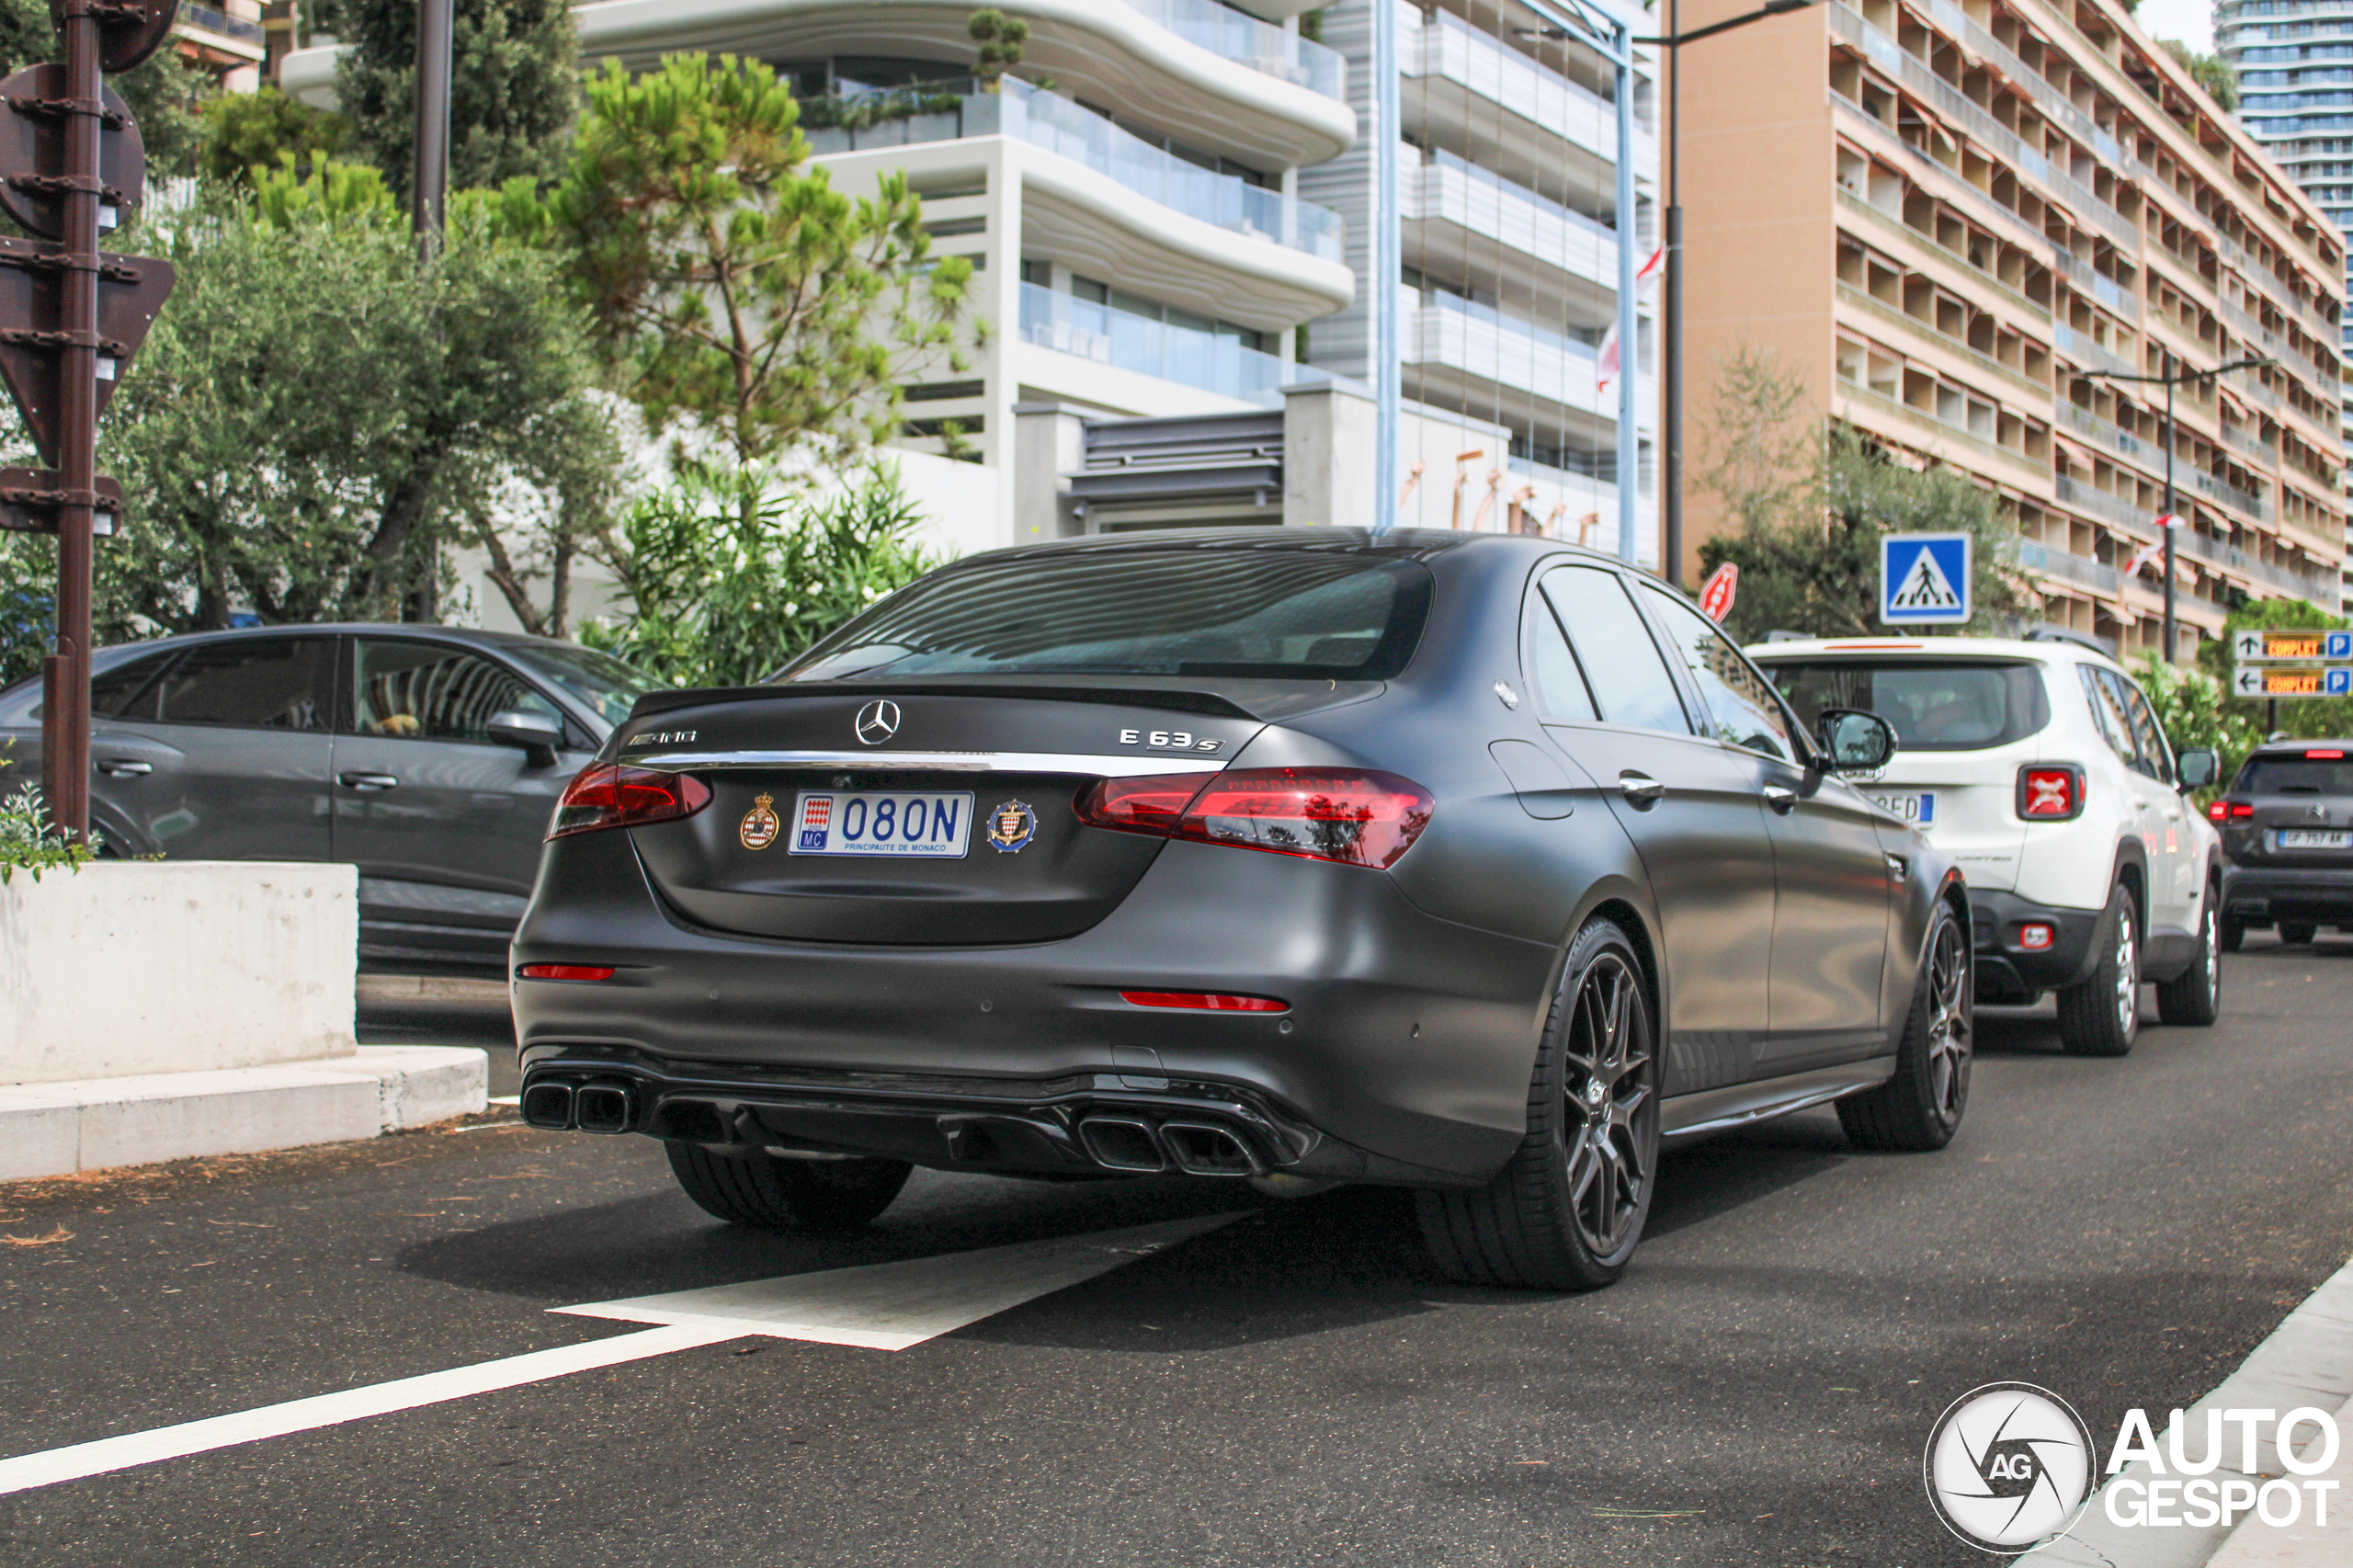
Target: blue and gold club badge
x: 760, y: 825
x: 1012, y: 825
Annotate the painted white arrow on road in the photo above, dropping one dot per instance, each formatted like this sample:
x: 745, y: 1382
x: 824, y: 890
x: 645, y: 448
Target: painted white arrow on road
x: 884, y: 1306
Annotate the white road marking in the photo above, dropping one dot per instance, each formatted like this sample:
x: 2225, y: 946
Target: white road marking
x: 506, y: 1099
x: 890, y: 1306
x: 884, y: 1306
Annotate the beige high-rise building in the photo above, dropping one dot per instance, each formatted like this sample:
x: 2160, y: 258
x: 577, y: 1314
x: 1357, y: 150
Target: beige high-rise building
x: 1941, y: 214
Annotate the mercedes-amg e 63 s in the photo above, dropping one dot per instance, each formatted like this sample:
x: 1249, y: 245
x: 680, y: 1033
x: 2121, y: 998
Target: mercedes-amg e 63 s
x: 1467, y: 863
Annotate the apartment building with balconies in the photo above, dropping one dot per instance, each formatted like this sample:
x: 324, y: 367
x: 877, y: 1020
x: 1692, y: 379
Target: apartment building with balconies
x: 1942, y: 214
x: 2294, y: 60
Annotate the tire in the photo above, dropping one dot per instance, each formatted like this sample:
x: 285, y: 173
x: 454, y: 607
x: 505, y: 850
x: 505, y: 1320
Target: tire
x: 771, y: 1193
x: 2101, y: 1015
x: 1921, y: 1106
x: 2233, y: 935
x: 2297, y: 935
x: 1566, y: 1213
x: 2195, y: 996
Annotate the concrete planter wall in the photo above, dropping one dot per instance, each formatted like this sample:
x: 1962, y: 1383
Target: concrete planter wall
x: 134, y: 967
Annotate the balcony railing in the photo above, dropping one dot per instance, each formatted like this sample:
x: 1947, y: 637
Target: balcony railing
x: 1248, y: 41
x: 952, y: 111
x: 1445, y: 46
x: 2100, y: 503
x: 1509, y: 215
x: 219, y: 22
x: 2103, y: 288
x: 1208, y: 361
x: 2074, y: 568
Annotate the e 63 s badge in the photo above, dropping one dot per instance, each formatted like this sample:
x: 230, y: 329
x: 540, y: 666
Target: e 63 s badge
x: 760, y: 825
x: 1011, y: 826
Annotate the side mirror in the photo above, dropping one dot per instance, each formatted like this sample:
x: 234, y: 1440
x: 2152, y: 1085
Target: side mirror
x: 1856, y: 741
x: 536, y: 735
x: 2197, y: 767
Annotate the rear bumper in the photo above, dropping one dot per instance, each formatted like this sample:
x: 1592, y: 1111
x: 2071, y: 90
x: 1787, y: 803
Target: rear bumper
x: 2009, y: 972
x: 1404, y: 1056
x: 2255, y: 895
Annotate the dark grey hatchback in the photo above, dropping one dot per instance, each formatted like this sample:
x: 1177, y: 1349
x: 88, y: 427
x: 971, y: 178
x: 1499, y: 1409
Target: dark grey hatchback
x: 1459, y: 862
x: 2287, y: 826
x: 430, y: 756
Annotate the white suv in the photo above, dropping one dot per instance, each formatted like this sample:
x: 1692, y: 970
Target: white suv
x: 2039, y: 767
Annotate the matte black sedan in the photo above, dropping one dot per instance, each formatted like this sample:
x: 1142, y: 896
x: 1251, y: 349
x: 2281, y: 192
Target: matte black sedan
x: 1459, y: 862
x: 429, y: 756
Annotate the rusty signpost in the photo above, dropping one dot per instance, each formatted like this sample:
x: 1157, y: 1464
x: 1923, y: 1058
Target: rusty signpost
x: 71, y: 318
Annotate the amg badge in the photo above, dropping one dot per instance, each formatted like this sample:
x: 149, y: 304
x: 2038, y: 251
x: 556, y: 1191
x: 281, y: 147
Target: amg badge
x: 760, y: 824
x: 1012, y: 825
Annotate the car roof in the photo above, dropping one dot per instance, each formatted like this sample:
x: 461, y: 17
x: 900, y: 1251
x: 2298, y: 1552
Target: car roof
x: 1422, y: 543
x: 2300, y: 748
x: 2041, y: 649
x: 472, y: 636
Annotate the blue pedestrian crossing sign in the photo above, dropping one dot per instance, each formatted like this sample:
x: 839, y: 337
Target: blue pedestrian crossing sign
x: 1924, y: 579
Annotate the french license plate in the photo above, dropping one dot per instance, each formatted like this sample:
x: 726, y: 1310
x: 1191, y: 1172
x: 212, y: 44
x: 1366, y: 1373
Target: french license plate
x: 872, y: 821
x: 2314, y: 838
x: 1918, y: 808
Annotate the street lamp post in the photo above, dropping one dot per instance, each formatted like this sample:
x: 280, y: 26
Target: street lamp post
x: 1670, y: 499
x: 2170, y: 376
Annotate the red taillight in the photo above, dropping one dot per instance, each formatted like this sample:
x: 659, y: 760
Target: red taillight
x: 2050, y: 792
x: 564, y: 971
x: 1203, y: 1001
x: 2242, y: 808
x: 612, y: 794
x: 1358, y: 816
x: 2216, y: 811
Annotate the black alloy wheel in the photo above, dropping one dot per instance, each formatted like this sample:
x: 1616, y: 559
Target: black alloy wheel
x: 772, y: 1194
x: 1921, y: 1106
x: 1568, y: 1211
x: 2195, y: 996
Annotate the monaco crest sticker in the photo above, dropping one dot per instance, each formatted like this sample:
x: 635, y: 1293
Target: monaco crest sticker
x: 1011, y: 826
x: 760, y: 825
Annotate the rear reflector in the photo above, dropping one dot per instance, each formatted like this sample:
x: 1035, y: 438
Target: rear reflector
x: 1203, y: 1001
x: 612, y: 794
x: 2050, y: 792
x: 2035, y: 937
x: 1357, y: 816
x: 564, y: 971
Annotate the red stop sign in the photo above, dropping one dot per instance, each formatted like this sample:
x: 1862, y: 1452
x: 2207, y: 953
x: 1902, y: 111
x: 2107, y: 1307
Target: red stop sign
x: 1722, y: 585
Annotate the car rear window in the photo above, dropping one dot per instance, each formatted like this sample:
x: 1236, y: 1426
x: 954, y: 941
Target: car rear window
x: 2294, y: 775
x: 1932, y: 704
x: 1264, y: 612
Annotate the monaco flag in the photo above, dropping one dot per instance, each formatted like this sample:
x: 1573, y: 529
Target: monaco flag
x: 1643, y: 281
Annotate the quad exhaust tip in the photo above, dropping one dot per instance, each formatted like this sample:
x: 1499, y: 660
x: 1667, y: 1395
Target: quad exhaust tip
x: 548, y: 1105
x: 1120, y: 1144
x: 1200, y: 1149
x: 601, y: 1108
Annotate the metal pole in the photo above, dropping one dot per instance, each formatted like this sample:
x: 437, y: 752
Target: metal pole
x: 66, y: 764
x: 428, y: 193
x: 2168, y: 526
x: 1388, y: 266
x: 1629, y: 356
x: 1670, y: 369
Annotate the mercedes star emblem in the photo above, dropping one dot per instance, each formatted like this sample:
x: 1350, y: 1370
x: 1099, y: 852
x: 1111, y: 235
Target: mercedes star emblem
x: 878, y: 722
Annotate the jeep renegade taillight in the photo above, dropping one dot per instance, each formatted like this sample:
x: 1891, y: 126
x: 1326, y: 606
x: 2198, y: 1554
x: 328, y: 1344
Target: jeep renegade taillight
x: 612, y: 794
x: 1356, y: 815
x: 2050, y: 792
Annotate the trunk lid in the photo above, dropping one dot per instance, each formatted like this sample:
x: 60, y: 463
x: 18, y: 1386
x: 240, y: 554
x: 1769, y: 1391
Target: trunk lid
x: 931, y: 816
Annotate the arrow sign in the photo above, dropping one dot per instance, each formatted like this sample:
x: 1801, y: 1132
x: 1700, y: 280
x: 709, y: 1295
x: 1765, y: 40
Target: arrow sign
x: 2247, y: 683
x: 32, y: 284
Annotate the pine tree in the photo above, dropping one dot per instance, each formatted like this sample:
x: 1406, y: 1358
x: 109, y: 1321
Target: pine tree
x: 513, y: 88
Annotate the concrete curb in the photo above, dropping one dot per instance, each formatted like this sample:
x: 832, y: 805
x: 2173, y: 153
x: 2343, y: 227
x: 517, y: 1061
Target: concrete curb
x: 2307, y: 1360
x: 429, y: 988
x: 49, y: 1130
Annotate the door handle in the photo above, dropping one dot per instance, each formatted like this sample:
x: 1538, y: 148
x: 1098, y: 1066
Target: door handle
x: 124, y: 767
x: 1641, y: 788
x: 1780, y: 798
x: 367, y: 780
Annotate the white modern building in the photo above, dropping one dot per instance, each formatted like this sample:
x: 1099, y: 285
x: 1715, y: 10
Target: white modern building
x: 1170, y: 234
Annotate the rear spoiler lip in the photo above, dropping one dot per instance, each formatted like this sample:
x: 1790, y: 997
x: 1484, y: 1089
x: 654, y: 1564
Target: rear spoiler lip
x: 1174, y: 699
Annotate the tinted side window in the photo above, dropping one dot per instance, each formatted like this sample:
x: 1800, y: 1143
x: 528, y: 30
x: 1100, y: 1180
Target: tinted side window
x: 2108, y: 713
x: 1552, y: 669
x: 266, y: 682
x: 1630, y: 678
x: 2156, y: 761
x: 1740, y: 702
x: 126, y: 691
x: 432, y: 692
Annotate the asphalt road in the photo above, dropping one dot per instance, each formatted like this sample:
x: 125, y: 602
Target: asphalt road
x: 1293, y: 1388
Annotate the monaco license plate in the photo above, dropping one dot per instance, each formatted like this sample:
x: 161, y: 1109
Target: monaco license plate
x: 2314, y: 838
x: 875, y: 822
x: 1916, y: 807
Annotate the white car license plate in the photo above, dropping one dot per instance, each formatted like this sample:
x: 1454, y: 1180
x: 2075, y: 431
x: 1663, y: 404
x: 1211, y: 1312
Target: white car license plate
x: 2314, y: 838
x: 1919, y: 808
x: 875, y: 822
